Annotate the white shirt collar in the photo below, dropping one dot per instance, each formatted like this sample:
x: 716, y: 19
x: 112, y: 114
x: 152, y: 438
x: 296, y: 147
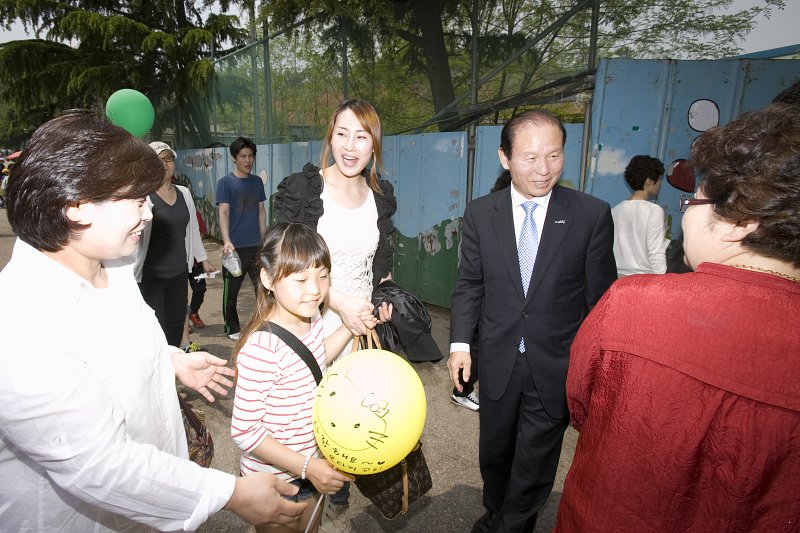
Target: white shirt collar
x: 517, y: 199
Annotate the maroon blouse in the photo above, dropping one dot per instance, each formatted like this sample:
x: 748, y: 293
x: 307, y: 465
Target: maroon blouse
x: 686, y: 391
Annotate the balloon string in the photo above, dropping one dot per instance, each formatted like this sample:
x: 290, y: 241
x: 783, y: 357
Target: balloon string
x: 314, y: 514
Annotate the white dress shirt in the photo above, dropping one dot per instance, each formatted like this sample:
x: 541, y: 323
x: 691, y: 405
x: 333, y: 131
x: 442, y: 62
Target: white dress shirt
x: 518, y: 212
x: 91, y: 436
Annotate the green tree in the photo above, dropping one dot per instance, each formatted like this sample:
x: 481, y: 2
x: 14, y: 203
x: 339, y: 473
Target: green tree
x: 93, y: 48
x: 420, y: 23
x: 434, y: 37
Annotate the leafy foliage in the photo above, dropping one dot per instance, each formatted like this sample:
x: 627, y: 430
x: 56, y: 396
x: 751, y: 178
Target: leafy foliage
x: 411, y: 58
x: 395, y: 46
x: 93, y: 48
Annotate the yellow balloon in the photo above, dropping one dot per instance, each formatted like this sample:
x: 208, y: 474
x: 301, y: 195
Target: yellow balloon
x: 369, y: 411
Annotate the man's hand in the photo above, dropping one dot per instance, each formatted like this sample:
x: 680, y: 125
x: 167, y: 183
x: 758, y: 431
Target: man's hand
x: 258, y: 498
x: 459, y: 361
x: 208, y: 267
x: 202, y: 371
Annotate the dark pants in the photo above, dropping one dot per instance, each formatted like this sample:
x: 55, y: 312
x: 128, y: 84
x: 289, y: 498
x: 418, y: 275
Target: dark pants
x: 232, y: 284
x: 198, y: 288
x: 519, y: 448
x: 167, y: 297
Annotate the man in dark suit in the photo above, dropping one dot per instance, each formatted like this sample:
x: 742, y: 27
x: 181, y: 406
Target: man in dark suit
x: 526, y: 320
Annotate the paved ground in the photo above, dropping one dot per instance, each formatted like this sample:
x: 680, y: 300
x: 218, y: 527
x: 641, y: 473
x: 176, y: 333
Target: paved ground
x: 450, y: 438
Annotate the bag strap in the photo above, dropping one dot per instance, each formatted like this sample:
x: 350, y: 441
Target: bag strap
x: 405, y: 485
x: 372, y: 340
x: 374, y: 335
x: 405, y: 465
x: 297, y: 346
x: 190, y: 415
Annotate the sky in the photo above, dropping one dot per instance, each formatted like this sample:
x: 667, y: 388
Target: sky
x: 779, y: 30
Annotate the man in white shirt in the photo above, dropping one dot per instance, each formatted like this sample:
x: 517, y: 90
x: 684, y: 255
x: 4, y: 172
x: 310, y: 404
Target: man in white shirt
x: 91, y: 437
x: 639, y: 243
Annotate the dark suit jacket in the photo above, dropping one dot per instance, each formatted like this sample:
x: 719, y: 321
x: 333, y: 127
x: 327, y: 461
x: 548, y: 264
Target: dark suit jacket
x: 574, y: 267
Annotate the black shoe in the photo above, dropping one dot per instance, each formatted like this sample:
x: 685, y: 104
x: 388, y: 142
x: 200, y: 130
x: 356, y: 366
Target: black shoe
x: 484, y: 523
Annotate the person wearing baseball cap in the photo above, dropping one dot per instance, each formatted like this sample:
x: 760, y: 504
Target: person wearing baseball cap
x: 169, y: 247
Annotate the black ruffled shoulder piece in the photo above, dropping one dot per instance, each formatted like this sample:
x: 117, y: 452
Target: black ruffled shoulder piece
x: 386, y: 204
x: 298, y: 197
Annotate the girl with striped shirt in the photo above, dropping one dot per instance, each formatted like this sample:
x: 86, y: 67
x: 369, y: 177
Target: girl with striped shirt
x: 272, y: 410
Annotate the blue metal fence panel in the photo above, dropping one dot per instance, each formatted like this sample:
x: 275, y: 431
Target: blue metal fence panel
x: 640, y: 107
x: 430, y: 169
x: 659, y: 107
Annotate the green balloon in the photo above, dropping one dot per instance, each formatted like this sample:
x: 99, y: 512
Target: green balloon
x: 130, y: 110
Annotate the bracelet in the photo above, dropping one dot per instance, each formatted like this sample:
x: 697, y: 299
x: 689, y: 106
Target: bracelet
x: 305, y: 467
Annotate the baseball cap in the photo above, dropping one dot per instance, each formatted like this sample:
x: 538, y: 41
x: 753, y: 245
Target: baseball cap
x: 159, y: 147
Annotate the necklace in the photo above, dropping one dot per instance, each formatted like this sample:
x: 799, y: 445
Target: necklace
x: 768, y: 271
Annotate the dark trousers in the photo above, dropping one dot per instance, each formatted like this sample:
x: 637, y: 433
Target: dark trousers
x: 519, y: 451
x: 198, y: 289
x: 232, y: 284
x: 167, y: 297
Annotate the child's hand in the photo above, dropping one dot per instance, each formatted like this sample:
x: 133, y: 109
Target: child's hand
x: 326, y: 479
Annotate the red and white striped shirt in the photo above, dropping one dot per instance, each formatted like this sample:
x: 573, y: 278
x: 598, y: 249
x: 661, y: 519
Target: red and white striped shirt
x: 275, y: 396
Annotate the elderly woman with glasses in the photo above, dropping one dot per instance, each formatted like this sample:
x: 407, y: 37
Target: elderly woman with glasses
x: 691, y: 421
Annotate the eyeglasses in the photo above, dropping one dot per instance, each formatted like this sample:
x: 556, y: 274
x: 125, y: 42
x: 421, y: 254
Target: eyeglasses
x: 687, y: 201
x: 167, y: 159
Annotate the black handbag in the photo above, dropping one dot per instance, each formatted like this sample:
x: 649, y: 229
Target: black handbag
x: 393, y: 490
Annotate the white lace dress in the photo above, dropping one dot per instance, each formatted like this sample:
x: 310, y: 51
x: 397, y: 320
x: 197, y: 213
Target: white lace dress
x: 352, y: 237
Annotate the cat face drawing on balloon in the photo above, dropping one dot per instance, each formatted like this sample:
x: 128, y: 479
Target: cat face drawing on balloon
x: 352, y: 419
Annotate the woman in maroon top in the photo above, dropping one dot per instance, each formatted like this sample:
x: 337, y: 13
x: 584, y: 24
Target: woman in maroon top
x: 686, y: 387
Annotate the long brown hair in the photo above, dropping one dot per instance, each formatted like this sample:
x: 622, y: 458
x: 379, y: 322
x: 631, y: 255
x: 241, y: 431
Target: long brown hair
x: 371, y: 123
x: 287, y: 249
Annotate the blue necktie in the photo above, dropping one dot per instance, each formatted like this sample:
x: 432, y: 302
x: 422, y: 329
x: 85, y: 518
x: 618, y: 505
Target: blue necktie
x: 527, y: 247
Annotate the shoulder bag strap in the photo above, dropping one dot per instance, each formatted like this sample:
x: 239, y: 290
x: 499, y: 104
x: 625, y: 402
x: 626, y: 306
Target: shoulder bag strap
x: 191, y: 417
x: 299, y: 348
x: 370, y: 340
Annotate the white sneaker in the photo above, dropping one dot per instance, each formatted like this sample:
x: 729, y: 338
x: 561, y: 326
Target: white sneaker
x: 470, y: 401
x: 334, y: 519
x: 235, y: 336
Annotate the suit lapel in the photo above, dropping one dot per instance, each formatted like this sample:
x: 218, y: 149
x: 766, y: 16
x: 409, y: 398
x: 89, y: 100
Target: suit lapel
x: 503, y: 224
x: 556, y: 226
